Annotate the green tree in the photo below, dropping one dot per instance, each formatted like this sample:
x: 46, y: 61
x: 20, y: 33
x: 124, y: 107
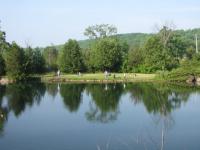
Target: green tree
x: 2, y: 65
x: 39, y: 61
x: 164, y: 50
x: 135, y: 59
x: 190, y: 52
x: 3, y: 47
x: 86, y: 55
x: 106, y: 54
x: 29, y: 60
x: 50, y: 54
x: 35, y: 62
x: 3, y: 43
x: 70, y: 59
x: 156, y: 56
x: 15, y: 62
x: 100, y: 31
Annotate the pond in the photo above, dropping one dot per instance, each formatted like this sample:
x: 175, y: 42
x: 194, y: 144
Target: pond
x: 38, y: 116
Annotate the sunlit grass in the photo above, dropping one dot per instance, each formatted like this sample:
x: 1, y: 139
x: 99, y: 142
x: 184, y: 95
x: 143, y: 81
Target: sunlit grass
x: 100, y: 77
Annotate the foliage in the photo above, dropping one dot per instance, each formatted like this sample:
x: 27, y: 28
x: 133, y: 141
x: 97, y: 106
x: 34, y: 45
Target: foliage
x: 163, y: 51
x: 35, y: 62
x: 3, y: 47
x: 87, y: 60
x: 50, y: 55
x: 70, y: 59
x: 105, y: 50
x: 2, y: 65
x: 106, y: 54
x: 3, y: 43
x: 156, y: 56
x: 187, y: 68
x: 135, y: 59
x: 15, y: 62
x: 100, y: 31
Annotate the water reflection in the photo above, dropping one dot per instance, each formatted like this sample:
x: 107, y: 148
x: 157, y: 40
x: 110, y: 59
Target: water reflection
x: 19, y: 96
x: 3, y: 110
x: 159, y: 100
x: 72, y: 95
x: 105, y: 101
x: 52, y: 89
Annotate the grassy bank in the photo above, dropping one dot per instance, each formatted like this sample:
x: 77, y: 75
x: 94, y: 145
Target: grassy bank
x: 98, y: 77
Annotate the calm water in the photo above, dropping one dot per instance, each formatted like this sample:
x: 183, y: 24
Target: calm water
x: 99, y: 117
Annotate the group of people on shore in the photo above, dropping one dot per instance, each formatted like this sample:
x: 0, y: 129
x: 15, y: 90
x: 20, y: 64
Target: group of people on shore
x: 106, y: 74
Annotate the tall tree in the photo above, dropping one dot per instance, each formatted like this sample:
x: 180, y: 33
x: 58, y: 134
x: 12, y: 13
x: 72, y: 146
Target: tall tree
x: 35, y: 62
x: 2, y: 65
x: 3, y: 47
x: 3, y: 43
x: 29, y: 60
x: 39, y: 61
x: 106, y: 54
x: 70, y: 59
x: 163, y: 50
x: 100, y: 31
x: 135, y: 59
x: 15, y: 61
x: 50, y: 54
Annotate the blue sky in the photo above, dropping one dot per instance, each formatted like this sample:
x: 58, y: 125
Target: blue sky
x: 45, y: 22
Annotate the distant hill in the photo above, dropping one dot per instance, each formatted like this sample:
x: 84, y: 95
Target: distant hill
x: 138, y: 39
x: 132, y: 39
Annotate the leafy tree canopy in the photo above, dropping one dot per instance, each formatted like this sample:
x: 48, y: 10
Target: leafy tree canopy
x: 100, y: 31
x: 70, y: 59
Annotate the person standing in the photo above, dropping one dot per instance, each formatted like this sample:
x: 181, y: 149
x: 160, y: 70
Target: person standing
x: 58, y: 73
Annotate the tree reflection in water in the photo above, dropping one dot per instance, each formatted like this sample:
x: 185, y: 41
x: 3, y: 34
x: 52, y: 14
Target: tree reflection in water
x: 52, y: 89
x: 72, y: 95
x: 105, y: 101
x: 160, y: 101
x: 18, y: 97
x: 3, y: 110
x: 21, y: 95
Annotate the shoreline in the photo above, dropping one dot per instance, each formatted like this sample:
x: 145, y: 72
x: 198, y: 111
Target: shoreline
x: 99, y: 78
x: 96, y: 78
x: 86, y: 78
x: 92, y: 81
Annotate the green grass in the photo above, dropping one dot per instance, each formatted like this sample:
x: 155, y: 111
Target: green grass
x: 130, y: 77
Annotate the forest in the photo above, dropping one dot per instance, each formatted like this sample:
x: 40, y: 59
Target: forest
x: 170, y: 53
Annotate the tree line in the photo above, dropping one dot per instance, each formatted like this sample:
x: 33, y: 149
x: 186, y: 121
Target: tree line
x: 162, y: 51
